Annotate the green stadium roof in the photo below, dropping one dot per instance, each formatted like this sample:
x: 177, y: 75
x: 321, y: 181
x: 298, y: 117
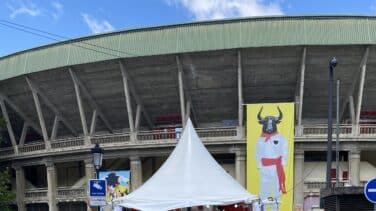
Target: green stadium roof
x: 193, y: 37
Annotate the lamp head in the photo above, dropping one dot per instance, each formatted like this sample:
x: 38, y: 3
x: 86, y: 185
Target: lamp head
x: 97, y: 156
x: 333, y: 63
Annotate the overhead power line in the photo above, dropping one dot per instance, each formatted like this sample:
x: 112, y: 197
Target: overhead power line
x: 60, y: 38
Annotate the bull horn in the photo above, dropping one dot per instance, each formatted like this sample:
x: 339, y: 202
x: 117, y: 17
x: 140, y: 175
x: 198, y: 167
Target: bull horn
x: 280, y: 114
x: 259, y: 114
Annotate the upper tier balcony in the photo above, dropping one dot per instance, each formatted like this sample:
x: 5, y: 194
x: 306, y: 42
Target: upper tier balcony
x: 219, y: 135
x: 141, y: 138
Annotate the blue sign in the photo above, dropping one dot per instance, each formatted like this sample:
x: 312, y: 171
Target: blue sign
x: 97, y: 192
x: 370, y: 190
x: 97, y: 187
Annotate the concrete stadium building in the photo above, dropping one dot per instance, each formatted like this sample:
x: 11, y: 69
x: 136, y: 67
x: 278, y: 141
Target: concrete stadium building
x: 128, y: 90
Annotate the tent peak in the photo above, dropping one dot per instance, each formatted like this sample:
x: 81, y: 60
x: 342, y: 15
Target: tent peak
x: 189, y: 123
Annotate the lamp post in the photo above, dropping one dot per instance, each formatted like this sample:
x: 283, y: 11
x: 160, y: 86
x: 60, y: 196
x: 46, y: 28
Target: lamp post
x: 97, y: 153
x: 332, y: 65
x: 97, y: 158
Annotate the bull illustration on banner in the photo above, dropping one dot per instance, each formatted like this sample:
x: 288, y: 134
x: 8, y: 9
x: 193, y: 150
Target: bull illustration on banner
x: 268, y: 154
x: 271, y: 156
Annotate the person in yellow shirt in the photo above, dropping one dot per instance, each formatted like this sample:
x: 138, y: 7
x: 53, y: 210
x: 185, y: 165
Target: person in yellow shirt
x: 115, y: 187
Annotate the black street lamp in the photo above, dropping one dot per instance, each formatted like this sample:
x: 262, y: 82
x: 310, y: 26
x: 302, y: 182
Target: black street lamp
x: 97, y: 158
x: 332, y: 65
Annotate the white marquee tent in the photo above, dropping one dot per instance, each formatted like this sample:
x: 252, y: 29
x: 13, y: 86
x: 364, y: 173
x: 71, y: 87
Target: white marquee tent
x: 189, y: 177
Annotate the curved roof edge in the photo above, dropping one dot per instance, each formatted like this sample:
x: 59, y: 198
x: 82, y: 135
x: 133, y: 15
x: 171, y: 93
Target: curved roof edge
x: 192, y: 37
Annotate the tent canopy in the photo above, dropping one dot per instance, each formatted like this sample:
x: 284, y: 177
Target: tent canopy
x: 189, y: 177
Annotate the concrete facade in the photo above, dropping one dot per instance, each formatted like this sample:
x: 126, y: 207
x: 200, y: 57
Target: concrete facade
x: 354, y: 167
x: 308, y: 179
x: 51, y: 185
x: 298, y: 180
x: 132, y: 105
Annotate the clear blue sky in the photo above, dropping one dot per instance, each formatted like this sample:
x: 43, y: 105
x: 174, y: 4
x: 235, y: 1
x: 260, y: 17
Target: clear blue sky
x: 76, y: 18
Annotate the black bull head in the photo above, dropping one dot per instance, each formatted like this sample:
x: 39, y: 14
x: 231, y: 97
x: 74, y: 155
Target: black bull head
x: 269, y: 123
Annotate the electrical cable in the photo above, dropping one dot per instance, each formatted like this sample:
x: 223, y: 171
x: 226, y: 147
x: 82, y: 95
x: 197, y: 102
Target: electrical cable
x: 52, y: 36
x: 302, y: 180
x: 48, y: 35
x: 65, y: 37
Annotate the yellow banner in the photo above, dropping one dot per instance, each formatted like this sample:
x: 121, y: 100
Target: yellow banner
x: 270, y: 152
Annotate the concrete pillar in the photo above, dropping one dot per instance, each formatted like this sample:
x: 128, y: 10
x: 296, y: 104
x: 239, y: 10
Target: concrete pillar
x: 89, y: 169
x: 240, y: 166
x: 51, y: 182
x: 298, y: 177
x: 87, y: 140
x: 240, y: 131
x: 354, y: 167
x: 298, y: 130
x: 20, y: 188
x: 136, y: 172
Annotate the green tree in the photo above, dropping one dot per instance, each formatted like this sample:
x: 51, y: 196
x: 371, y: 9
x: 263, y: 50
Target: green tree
x: 6, y: 195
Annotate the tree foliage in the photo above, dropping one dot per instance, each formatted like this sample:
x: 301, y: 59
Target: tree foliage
x: 6, y: 195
